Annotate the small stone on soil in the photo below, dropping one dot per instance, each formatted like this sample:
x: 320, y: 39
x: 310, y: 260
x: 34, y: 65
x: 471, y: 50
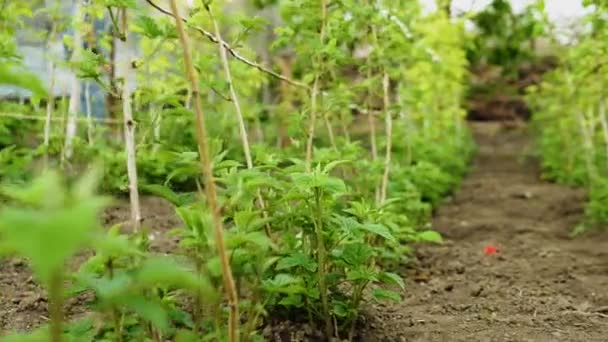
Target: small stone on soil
x: 476, y: 292
x: 523, y: 195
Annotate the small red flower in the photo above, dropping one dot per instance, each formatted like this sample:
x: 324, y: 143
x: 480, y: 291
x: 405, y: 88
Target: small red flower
x: 490, y: 250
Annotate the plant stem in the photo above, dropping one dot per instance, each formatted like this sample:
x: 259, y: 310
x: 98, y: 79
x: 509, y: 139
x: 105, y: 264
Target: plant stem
x: 116, y: 316
x: 315, y: 92
x: 357, y: 295
x: 321, y: 256
x: 56, y: 306
x: 210, y: 189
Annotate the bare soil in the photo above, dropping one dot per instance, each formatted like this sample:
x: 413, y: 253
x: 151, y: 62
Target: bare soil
x: 541, y: 285
x: 23, y: 303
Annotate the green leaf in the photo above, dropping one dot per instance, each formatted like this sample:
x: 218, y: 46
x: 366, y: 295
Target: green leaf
x: 49, y: 233
x: 392, y: 278
x: 430, y: 236
x: 214, y: 265
x: 284, y: 283
x: 332, y: 165
x: 253, y: 23
x: 362, y: 274
x: 340, y: 309
x: 148, y: 27
x: 381, y: 294
x: 110, y: 290
x: 22, y: 79
x: 297, y: 260
x: 357, y: 254
x: 148, y: 309
x: 302, y: 180
x: 292, y: 300
x: 40, y: 335
x: 329, y: 184
x: 165, y: 271
x: 47, y: 191
x: 81, y: 330
x: 378, y: 229
x: 239, y: 239
x: 181, y: 317
x: 115, y: 245
x: 164, y: 192
x: 186, y: 336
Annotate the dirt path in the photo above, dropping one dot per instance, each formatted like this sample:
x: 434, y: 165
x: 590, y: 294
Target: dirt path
x: 540, y: 286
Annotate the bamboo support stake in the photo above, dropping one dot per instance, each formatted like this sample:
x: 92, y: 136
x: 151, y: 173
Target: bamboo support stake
x: 371, y: 121
x: 129, y: 129
x: 75, y: 92
x: 409, y: 126
x: 312, y: 121
x: 587, y: 145
x: 210, y: 188
x: 389, y: 137
x: 239, y: 112
x: 286, y: 104
x: 330, y: 132
x: 88, y: 110
x: 50, y: 103
x: 233, y: 95
x: 156, y: 117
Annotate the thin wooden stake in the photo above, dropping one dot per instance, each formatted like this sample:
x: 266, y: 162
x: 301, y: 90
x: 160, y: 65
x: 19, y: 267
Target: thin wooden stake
x: 389, y: 137
x: 88, y: 109
x: 50, y: 103
x: 75, y: 93
x: 239, y: 113
x: 129, y: 128
x: 210, y: 189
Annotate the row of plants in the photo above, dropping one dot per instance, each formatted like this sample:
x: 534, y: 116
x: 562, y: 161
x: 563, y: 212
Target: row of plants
x: 301, y: 181
x: 570, y: 117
